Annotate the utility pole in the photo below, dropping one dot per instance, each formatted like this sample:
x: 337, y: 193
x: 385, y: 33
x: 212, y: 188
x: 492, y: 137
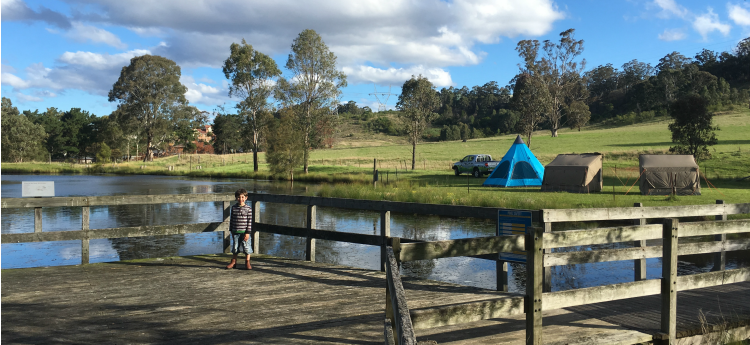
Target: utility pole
x: 382, y: 106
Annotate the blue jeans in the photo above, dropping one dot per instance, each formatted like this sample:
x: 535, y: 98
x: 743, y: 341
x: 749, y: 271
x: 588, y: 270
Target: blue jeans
x: 239, y: 243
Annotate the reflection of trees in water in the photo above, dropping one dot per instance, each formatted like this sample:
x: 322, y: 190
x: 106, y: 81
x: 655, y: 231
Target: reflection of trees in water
x: 158, y: 214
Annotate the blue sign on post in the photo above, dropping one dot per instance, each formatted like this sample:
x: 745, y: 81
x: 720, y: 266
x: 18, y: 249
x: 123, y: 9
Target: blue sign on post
x: 513, y: 222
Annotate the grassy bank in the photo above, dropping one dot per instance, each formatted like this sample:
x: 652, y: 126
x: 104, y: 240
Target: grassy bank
x: 347, y: 172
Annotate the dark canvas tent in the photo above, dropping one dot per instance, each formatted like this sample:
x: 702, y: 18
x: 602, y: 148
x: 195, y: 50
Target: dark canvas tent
x: 518, y: 168
x: 574, y: 173
x: 661, y: 174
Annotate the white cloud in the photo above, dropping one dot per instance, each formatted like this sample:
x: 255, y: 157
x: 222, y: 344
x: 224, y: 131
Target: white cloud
x: 432, y: 32
x: 83, y: 33
x: 396, y: 76
x: 14, y: 81
x: 203, y: 94
x: 100, y: 61
x: 672, y: 35
x: 708, y: 23
x: 27, y: 98
x: 739, y: 14
x: 670, y: 8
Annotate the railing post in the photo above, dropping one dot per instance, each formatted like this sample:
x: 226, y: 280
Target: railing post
x: 85, y: 216
x: 547, y: 278
x: 225, y: 218
x: 385, y: 233
x: 254, y: 233
x: 639, y: 265
x: 37, y: 219
x: 396, y: 244
x: 669, y: 280
x: 534, y: 274
x: 310, y: 241
x: 501, y: 267
x: 720, y: 258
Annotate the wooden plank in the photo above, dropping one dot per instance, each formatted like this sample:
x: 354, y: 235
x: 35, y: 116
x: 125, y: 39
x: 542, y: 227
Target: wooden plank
x: 571, y: 238
x: 546, y: 271
x: 639, y: 253
x: 669, y: 279
x: 708, y: 279
x: 388, y: 333
x: 720, y: 258
x: 281, y: 229
x: 602, y: 255
x: 714, y: 228
x: 534, y: 282
x: 622, y: 213
x: 597, y: 294
x: 85, y: 223
x: 38, y: 219
x: 137, y: 231
x: 310, y: 240
x: 466, y: 312
x: 404, y: 330
x: 639, y: 265
x: 385, y: 233
x: 461, y: 247
x: 350, y: 237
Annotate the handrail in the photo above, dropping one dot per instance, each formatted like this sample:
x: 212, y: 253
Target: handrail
x: 404, y: 332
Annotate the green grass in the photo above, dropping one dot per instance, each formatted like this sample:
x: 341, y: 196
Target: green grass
x: 347, y: 172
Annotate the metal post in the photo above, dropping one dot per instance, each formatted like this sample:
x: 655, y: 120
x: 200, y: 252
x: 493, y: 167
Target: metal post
x: 85, y: 212
x: 310, y: 242
x: 639, y: 265
x: 720, y: 258
x: 669, y: 280
x: 227, y: 235
x: 534, y: 273
x: 385, y: 233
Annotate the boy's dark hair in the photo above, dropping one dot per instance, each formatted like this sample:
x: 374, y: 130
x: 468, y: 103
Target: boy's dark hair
x: 239, y: 192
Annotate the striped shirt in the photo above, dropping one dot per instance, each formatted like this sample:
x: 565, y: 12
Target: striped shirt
x: 241, y: 219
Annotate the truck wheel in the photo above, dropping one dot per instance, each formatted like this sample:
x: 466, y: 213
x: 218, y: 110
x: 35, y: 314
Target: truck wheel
x: 476, y: 173
x: 455, y: 171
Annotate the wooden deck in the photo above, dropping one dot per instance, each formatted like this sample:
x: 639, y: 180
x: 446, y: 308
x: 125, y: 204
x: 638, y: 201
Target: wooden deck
x: 193, y: 300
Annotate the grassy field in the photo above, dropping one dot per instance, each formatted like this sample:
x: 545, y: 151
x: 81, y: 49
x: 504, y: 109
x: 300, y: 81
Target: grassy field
x: 347, y: 170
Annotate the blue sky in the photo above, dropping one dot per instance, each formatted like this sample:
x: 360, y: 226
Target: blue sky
x: 68, y: 54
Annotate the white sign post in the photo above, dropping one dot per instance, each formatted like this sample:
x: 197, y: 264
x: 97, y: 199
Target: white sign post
x: 37, y: 188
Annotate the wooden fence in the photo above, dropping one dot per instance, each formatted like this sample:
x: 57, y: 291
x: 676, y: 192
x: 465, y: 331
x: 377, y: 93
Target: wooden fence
x: 538, y: 242
x: 309, y: 232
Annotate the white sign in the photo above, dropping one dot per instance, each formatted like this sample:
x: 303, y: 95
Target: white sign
x: 37, y: 188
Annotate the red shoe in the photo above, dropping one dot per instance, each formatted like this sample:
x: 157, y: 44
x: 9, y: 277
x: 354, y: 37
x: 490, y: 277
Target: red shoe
x: 231, y: 264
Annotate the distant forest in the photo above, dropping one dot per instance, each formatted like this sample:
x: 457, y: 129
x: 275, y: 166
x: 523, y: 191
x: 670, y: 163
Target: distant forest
x: 634, y: 92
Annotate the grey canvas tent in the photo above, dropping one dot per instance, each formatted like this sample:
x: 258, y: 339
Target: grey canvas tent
x: 575, y: 173
x: 661, y: 174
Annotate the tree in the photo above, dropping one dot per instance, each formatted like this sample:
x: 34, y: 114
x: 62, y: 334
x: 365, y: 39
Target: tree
x: 77, y: 132
x: 148, y: 92
x: 104, y: 153
x: 559, y: 71
x: 285, y: 144
x: 531, y: 99
x: 692, y: 130
x: 51, y: 120
x: 252, y: 74
x: 418, y: 101
x: 227, y: 129
x: 21, y: 139
x: 315, y: 86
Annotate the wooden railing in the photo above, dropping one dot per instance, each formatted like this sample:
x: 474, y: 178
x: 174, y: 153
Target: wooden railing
x: 537, y: 241
x: 398, y: 320
x: 309, y: 232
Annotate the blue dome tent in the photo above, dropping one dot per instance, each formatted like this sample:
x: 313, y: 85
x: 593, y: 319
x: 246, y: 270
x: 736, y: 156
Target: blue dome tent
x: 518, y: 168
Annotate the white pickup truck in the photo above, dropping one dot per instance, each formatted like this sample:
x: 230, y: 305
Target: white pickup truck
x: 477, y: 165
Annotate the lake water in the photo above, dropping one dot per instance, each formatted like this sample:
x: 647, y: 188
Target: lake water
x: 465, y: 271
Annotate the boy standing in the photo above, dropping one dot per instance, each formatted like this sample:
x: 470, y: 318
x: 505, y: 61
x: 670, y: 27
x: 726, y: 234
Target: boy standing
x: 240, y: 224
